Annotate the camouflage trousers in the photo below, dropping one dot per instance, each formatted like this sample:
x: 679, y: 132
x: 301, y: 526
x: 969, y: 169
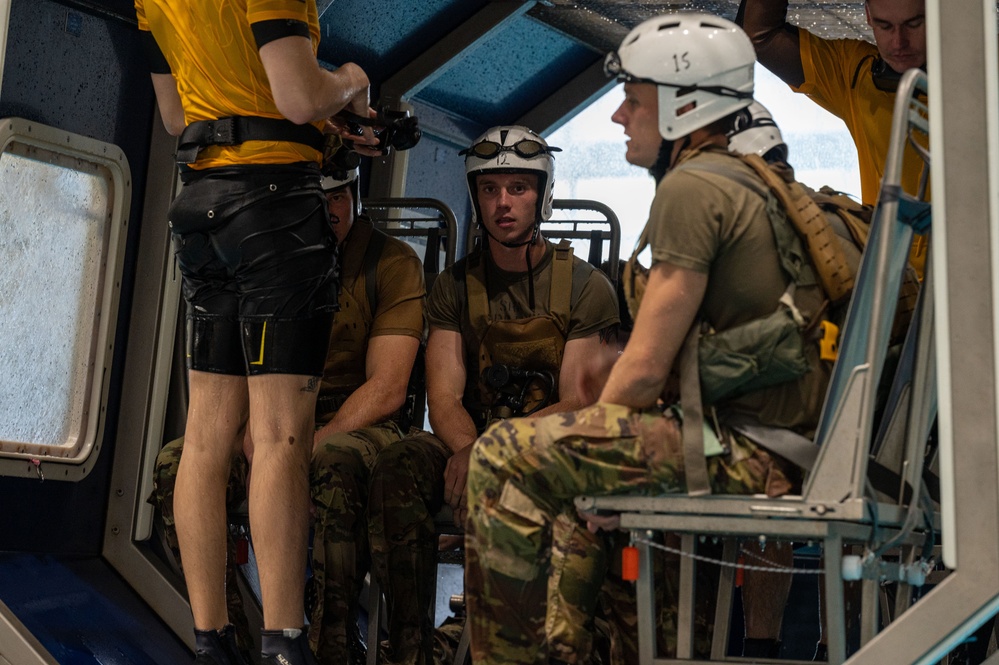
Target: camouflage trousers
x: 339, y: 477
x: 406, y: 495
x: 375, y: 495
x: 523, y: 476
x: 164, y: 481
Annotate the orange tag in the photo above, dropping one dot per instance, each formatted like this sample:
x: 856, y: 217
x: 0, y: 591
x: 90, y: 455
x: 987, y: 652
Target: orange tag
x: 629, y: 564
x: 740, y: 572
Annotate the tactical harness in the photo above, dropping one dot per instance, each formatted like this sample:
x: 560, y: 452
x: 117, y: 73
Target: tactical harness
x: 346, y: 366
x: 531, y: 348
x: 770, y: 350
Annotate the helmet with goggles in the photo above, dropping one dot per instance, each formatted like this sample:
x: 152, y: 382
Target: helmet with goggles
x: 755, y: 132
x: 690, y: 57
x: 512, y: 149
x: 340, y: 179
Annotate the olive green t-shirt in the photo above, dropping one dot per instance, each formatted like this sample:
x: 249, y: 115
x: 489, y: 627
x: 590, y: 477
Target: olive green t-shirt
x: 706, y: 222
x: 592, y: 305
x: 398, y: 307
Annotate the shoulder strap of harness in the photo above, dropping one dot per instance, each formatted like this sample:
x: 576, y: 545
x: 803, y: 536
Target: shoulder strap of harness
x: 372, y: 256
x: 233, y: 130
x: 358, y: 239
x: 805, y: 216
x: 476, y: 292
x: 811, y: 223
x: 560, y: 294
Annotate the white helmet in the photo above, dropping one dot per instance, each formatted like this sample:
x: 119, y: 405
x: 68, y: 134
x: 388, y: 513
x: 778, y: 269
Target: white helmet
x: 339, y: 179
x: 512, y: 149
x: 755, y: 132
x: 690, y: 57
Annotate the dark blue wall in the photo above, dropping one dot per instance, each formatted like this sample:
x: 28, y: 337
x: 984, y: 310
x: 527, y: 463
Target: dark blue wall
x: 78, y: 66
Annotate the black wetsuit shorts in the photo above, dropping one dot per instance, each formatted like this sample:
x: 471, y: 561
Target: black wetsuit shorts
x: 257, y: 254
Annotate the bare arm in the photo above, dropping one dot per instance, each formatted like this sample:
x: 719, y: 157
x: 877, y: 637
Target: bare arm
x: 446, y: 373
x: 168, y: 99
x: 776, y: 41
x: 304, y: 91
x: 668, y: 308
x: 388, y: 364
x: 575, y: 360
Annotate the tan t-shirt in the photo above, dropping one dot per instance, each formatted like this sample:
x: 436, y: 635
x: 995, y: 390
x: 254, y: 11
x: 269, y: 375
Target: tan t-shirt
x: 592, y: 306
x: 399, y: 303
x: 708, y: 223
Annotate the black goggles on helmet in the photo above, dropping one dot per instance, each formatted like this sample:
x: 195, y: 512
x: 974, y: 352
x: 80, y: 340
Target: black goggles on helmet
x: 613, y: 69
x: 526, y: 148
x: 744, y: 120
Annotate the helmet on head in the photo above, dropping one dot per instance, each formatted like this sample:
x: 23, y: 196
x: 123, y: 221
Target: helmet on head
x: 690, y: 57
x: 512, y: 149
x: 755, y: 132
x: 340, y: 179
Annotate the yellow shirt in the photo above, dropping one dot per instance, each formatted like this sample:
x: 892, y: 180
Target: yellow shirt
x: 213, y: 57
x: 838, y: 78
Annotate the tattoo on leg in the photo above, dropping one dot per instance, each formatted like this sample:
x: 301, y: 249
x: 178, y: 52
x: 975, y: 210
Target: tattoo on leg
x: 312, y: 385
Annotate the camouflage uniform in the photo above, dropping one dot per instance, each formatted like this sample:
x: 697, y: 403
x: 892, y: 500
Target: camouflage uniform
x: 339, y: 477
x: 164, y: 480
x: 525, y: 473
x: 404, y: 495
x: 498, y: 325
x: 379, y: 297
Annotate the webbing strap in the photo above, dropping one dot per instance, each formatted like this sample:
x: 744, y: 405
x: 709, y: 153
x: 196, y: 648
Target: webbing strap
x: 560, y: 293
x: 809, y: 220
x: 559, y: 296
x: 793, y: 447
x: 372, y: 255
x: 234, y: 130
x: 695, y: 464
x: 476, y: 292
x: 596, y: 247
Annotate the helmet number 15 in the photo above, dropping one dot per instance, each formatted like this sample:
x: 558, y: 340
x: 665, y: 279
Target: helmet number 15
x: 680, y: 62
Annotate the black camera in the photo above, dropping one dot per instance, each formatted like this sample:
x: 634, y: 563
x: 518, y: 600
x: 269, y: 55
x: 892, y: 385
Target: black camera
x: 393, y: 129
x: 400, y: 130
x: 338, y: 159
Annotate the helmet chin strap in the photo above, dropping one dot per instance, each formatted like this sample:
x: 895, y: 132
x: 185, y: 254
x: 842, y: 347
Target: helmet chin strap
x: 527, y: 255
x: 664, y: 160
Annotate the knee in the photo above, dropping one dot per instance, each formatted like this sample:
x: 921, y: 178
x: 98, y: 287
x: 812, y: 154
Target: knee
x: 406, y: 485
x: 401, y: 467
x: 337, y: 476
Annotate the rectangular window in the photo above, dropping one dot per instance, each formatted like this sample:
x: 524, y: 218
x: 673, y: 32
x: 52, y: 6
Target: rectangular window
x: 63, y: 207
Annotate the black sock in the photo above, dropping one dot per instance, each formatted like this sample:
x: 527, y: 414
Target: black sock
x: 754, y: 647
x: 217, y: 646
x: 286, y: 647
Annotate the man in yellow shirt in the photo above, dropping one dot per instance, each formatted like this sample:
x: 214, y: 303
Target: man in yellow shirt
x: 851, y: 78
x: 239, y: 82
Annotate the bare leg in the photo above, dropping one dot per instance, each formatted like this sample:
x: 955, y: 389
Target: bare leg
x: 764, y: 594
x: 282, y: 416
x: 215, y: 421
